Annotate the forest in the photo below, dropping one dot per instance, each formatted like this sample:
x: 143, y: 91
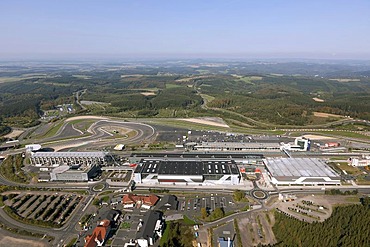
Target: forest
x: 164, y: 89
x: 347, y: 226
x: 178, y: 234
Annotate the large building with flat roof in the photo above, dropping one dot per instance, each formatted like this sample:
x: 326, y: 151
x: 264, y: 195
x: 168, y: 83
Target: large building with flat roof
x: 74, y: 174
x: 67, y: 158
x: 238, y: 146
x: 300, y: 171
x: 69, y: 166
x: 187, y: 171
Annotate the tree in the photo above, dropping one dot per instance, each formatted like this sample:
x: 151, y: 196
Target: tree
x: 204, y: 213
x: 96, y: 202
x: 218, y: 213
x: 238, y: 195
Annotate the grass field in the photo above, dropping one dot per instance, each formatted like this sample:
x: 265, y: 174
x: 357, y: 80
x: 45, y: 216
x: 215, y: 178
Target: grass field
x: 207, y: 98
x: 53, y: 130
x: 170, y: 85
x: 349, y: 169
x: 344, y: 134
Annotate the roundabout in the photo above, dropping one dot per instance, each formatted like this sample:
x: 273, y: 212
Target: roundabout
x: 259, y: 194
x: 99, y: 187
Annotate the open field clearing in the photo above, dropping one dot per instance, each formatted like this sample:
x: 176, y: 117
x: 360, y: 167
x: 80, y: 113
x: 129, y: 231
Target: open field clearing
x: 218, y: 122
x: 7, y: 241
x: 14, y: 134
x: 148, y: 93
x: 317, y: 137
x: 23, y: 77
x: 345, y: 80
x: 133, y: 75
x: 318, y: 99
x: 84, y: 117
x: 207, y: 98
x: 326, y: 115
x: 87, y: 102
x: 187, y: 79
x: 345, y: 134
x: 309, y: 208
x: 82, y: 76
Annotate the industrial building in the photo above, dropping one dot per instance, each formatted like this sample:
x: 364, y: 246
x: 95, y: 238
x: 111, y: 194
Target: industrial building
x: 300, y: 171
x: 300, y: 144
x: 237, y: 146
x: 365, y: 161
x: 69, y: 166
x: 67, y: 158
x: 239, y: 158
x: 187, y: 171
x: 74, y: 173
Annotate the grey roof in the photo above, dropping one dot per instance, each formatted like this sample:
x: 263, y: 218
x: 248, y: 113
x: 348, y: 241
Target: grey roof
x: 245, y: 145
x: 225, y: 243
x: 109, y: 215
x: 215, y: 155
x: 168, y: 202
x: 187, y: 167
x: 69, y: 154
x: 149, y: 222
x: 299, y: 167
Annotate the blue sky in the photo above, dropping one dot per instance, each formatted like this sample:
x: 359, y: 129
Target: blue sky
x: 240, y: 28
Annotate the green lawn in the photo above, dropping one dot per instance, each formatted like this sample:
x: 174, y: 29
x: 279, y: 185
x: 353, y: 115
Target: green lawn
x: 344, y: 134
x: 189, y: 221
x: 170, y: 85
x: 53, y: 130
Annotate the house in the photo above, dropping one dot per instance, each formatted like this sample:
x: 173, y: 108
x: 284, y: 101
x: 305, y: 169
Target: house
x: 102, y: 230
x: 99, y: 235
x: 168, y: 202
x: 150, y: 229
x: 145, y: 202
x: 115, y: 201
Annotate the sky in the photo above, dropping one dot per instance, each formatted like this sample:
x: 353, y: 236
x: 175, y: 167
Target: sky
x: 185, y: 28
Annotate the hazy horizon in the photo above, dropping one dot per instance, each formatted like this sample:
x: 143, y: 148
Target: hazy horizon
x: 139, y: 29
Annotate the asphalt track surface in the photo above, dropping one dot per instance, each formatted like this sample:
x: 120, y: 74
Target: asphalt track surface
x: 96, y: 137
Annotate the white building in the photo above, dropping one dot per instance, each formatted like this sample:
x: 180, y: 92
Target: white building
x: 300, y: 171
x: 360, y: 162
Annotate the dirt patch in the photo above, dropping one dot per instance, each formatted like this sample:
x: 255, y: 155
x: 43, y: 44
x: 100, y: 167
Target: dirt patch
x: 317, y: 137
x: 326, y: 115
x: 17, y: 242
x: 14, y: 134
x: 87, y: 102
x: 218, y: 122
x: 246, y: 230
x: 318, y: 100
x: 308, y: 209
x: 148, y: 93
x: 116, y: 130
x: 345, y: 80
x: 83, y: 117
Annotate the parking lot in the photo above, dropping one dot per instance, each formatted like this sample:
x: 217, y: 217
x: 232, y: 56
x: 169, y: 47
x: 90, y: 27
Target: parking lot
x: 191, y: 206
x: 225, y: 231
